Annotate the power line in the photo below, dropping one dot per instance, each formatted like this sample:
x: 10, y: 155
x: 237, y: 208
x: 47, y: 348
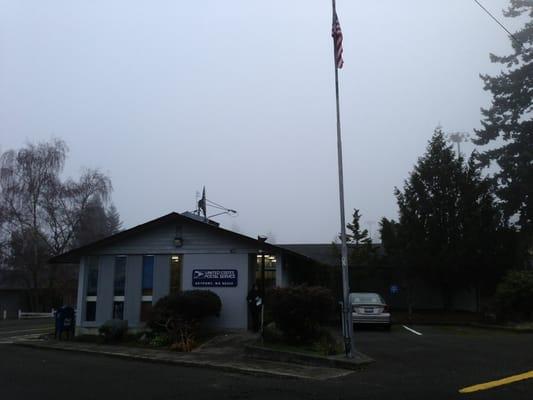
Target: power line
x: 499, y: 23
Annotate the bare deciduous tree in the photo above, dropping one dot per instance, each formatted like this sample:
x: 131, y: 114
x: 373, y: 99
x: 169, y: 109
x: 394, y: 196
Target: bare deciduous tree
x: 40, y: 214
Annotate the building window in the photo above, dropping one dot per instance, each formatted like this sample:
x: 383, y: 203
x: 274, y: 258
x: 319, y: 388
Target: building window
x: 175, y: 273
x: 148, y: 276
x: 90, y: 311
x: 119, y: 286
x: 269, y: 271
x: 92, y: 276
x: 147, y: 286
x: 92, y: 288
x: 118, y: 310
x: 119, y: 282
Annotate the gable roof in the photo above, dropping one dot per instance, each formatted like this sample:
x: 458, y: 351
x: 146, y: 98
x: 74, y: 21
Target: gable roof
x: 74, y: 255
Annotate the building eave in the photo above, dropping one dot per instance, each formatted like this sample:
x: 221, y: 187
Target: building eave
x: 73, y: 256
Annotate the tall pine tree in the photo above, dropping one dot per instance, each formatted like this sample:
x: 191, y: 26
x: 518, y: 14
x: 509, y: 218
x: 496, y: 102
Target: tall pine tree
x: 508, y: 122
x: 447, y: 220
x: 357, y: 235
x: 361, y: 257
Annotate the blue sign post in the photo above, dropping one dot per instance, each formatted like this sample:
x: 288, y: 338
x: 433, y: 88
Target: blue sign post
x: 214, y: 277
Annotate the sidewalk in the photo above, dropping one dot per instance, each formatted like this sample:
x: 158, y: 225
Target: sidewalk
x: 224, y: 352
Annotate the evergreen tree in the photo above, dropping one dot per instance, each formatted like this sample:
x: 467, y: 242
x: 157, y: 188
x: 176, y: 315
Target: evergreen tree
x: 448, y: 219
x: 356, y: 235
x: 97, y: 222
x: 396, y: 260
x: 361, y: 254
x: 509, y: 123
x: 114, y: 224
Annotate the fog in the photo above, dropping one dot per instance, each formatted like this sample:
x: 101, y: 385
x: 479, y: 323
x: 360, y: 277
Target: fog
x: 167, y: 97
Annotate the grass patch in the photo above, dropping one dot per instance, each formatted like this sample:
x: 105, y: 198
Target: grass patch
x: 95, y: 339
x: 303, y: 349
x: 324, y: 346
x: 151, y: 340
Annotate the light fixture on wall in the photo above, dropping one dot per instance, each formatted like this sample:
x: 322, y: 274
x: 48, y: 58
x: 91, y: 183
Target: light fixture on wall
x: 178, y: 242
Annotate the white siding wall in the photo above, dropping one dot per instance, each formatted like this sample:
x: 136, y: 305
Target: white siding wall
x: 202, y: 248
x: 160, y: 240
x: 234, y: 313
x: 82, y: 285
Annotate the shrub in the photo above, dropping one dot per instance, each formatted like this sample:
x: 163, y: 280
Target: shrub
x: 327, y: 343
x: 159, y: 340
x: 272, y: 334
x: 113, y: 330
x: 514, y: 295
x: 299, y: 311
x: 179, y: 315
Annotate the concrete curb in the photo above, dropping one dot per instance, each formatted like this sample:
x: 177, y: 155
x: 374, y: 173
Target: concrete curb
x: 220, y: 366
x: 265, y: 353
x: 501, y: 328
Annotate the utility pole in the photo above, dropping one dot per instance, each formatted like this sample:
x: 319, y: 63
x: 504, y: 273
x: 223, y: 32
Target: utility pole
x: 458, y: 138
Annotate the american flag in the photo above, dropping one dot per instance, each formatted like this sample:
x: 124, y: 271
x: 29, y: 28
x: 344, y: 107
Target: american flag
x: 336, y: 33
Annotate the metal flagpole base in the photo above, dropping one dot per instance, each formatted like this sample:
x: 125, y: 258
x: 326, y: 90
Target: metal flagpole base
x: 346, y: 326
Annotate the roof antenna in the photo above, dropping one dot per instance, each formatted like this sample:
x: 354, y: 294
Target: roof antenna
x: 197, y: 211
x: 204, y: 202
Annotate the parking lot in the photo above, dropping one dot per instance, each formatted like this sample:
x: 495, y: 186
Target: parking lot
x: 441, y: 360
x: 436, y: 363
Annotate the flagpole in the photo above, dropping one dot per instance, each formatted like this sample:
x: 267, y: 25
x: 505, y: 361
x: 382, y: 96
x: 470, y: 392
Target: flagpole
x: 346, y: 309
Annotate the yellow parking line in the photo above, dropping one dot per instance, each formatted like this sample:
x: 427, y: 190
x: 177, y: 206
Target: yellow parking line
x: 499, y: 382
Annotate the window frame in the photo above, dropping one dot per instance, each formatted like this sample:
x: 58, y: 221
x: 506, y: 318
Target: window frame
x: 91, y: 296
x: 120, y: 298
x: 145, y: 296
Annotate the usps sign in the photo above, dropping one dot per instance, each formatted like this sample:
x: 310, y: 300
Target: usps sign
x: 214, y: 277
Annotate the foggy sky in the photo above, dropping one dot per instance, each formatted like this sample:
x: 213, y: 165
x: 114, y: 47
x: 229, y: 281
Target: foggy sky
x: 168, y: 96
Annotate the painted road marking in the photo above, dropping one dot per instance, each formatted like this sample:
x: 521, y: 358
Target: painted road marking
x: 499, y: 382
x: 412, y: 330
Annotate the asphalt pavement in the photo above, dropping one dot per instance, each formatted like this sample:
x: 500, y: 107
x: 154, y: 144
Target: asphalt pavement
x: 13, y: 330
x: 436, y: 364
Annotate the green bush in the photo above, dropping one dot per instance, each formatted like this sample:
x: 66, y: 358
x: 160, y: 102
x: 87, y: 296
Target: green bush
x: 159, y: 340
x: 113, y: 330
x: 514, y: 295
x: 189, y: 306
x: 272, y: 334
x: 328, y: 344
x: 179, y: 315
x: 299, y: 311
